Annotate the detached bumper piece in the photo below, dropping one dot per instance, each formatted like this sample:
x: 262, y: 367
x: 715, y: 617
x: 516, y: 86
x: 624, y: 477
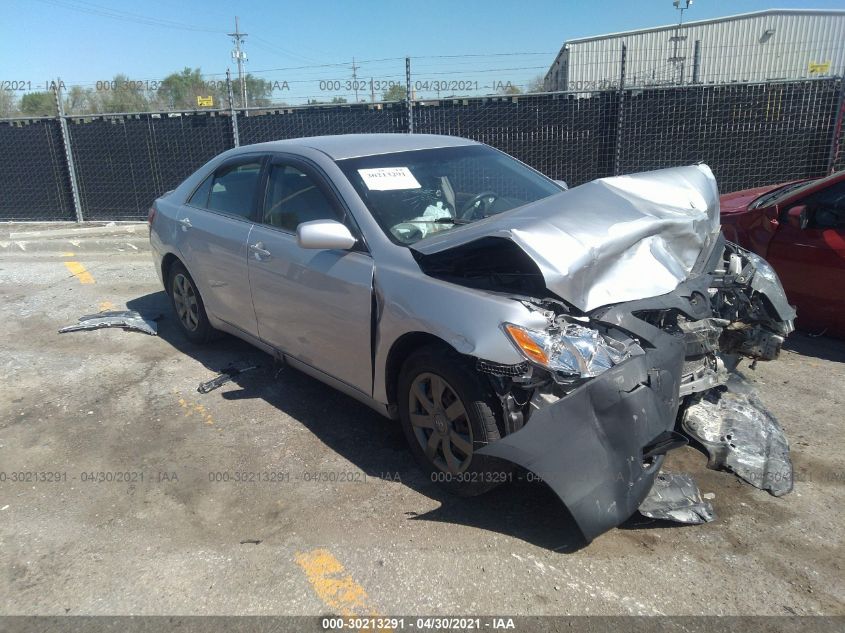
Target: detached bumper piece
x: 741, y: 436
x: 675, y: 497
x: 126, y: 319
x: 227, y: 375
x: 589, y: 446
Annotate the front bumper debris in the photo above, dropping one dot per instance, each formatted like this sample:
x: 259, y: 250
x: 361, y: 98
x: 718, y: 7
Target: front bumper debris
x: 741, y: 436
x: 588, y: 446
x: 126, y: 319
x: 676, y: 497
x: 600, y: 445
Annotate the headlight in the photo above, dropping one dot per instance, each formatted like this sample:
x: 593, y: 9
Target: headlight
x: 573, y: 349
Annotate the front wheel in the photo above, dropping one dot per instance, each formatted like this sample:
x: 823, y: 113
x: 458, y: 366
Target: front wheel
x: 448, y: 413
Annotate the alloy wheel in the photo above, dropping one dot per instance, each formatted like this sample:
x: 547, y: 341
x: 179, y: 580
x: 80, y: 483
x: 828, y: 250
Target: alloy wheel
x: 440, y: 423
x: 185, y: 300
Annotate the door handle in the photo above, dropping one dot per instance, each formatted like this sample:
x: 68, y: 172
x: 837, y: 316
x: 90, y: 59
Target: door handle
x: 260, y: 252
x: 186, y: 223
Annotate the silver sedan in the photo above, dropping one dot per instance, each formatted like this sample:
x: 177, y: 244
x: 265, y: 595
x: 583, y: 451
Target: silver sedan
x: 501, y: 318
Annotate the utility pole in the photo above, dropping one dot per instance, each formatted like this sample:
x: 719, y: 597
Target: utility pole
x: 372, y: 91
x: 355, y: 79
x: 677, y: 38
x: 409, y: 98
x: 239, y: 56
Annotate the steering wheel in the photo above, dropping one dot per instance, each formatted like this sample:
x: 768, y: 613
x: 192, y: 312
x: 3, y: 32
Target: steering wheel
x: 469, y: 210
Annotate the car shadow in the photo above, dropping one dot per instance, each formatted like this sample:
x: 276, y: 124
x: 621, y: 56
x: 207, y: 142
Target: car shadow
x: 525, y: 508
x: 821, y: 347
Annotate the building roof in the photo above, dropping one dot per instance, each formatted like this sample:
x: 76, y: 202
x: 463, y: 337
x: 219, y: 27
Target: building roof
x: 727, y: 18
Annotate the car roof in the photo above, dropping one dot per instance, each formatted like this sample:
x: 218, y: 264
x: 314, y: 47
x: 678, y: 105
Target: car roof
x: 341, y: 146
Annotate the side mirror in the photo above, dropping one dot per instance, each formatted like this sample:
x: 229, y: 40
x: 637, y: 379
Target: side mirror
x: 324, y: 234
x: 798, y: 217
x: 562, y: 184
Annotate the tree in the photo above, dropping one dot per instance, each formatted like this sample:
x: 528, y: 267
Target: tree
x: 122, y: 95
x: 8, y: 103
x: 81, y: 100
x: 509, y: 89
x: 396, y: 92
x: 179, y: 91
x: 259, y: 92
x: 538, y: 84
x: 38, y: 104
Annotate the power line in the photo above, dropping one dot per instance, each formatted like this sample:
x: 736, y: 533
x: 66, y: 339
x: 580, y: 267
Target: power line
x: 125, y: 16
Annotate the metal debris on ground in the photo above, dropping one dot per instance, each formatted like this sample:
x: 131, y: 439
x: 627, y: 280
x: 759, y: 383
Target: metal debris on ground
x: 741, y: 436
x: 127, y: 319
x: 676, y: 497
x: 225, y: 376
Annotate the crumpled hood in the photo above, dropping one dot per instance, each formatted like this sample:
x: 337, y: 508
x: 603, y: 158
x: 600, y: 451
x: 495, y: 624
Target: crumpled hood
x: 610, y: 240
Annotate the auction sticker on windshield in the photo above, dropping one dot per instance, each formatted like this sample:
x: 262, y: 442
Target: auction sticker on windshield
x: 389, y: 178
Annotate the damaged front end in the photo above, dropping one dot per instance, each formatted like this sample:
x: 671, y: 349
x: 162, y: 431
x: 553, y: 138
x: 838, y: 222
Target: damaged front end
x: 608, y: 387
x: 593, y: 410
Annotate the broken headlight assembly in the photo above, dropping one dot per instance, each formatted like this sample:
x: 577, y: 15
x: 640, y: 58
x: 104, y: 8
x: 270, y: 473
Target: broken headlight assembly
x: 570, y: 349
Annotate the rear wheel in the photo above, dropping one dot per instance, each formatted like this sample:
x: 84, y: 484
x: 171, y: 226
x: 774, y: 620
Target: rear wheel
x: 448, y: 413
x: 188, y: 305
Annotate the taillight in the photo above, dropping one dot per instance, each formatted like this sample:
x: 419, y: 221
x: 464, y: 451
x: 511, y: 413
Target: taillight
x: 151, y: 216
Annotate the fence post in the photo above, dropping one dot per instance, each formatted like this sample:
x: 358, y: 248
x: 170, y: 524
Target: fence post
x: 232, y: 111
x: 617, y: 163
x: 409, y: 95
x: 71, y: 168
x: 837, y: 128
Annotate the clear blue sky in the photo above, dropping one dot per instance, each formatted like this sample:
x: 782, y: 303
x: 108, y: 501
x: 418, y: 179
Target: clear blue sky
x: 75, y: 40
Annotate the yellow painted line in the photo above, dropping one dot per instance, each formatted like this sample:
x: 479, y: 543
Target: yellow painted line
x: 334, y: 586
x: 68, y: 254
x: 79, y: 271
x: 190, y: 408
x: 106, y: 305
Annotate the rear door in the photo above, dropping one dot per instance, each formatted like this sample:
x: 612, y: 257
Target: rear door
x: 215, y: 226
x: 811, y: 261
x: 312, y: 304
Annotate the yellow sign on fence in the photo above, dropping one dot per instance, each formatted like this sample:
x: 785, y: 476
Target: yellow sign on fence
x: 819, y: 68
x: 205, y: 102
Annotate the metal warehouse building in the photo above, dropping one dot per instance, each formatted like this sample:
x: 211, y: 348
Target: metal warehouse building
x: 751, y: 47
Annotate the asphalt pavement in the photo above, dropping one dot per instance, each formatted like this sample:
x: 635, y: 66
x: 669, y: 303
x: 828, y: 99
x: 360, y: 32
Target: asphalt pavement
x: 125, y: 491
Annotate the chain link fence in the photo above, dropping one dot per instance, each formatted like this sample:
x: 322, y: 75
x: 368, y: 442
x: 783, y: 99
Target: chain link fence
x: 750, y: 134
x: 33, y: 170
x: 124, y: 163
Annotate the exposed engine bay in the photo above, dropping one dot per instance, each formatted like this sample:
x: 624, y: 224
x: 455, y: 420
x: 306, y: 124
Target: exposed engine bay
x: 681, y: 348
x: 645, y: 312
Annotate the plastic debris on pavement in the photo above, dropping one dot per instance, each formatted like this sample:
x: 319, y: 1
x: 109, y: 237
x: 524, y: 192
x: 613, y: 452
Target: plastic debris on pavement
x: 225, y: 376
x: 126, y: 319
x: 676, y: 497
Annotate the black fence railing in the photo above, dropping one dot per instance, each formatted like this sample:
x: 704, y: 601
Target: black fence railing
x: 750, y: 134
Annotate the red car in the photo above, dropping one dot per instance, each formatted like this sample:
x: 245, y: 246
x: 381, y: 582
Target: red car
x: 799, y: 228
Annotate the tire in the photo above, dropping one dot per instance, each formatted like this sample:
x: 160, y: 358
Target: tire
x: 466, y: 416
x: 188, y: 306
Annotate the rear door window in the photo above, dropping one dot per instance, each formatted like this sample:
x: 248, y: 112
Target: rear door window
x: 234, y: 188
x: 200, y: 197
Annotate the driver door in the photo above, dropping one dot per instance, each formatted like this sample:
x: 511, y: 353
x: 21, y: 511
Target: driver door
x: 312, y: 304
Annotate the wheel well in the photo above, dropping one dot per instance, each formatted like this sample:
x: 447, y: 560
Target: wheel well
x: 404, y: 346
x: 166, y: 262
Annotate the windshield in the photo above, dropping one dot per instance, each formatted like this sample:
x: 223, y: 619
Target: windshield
x: 413, y: 195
